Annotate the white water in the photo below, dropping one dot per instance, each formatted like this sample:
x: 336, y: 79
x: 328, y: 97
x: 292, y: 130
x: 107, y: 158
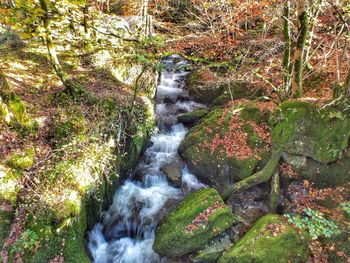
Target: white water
x: 126, y: 234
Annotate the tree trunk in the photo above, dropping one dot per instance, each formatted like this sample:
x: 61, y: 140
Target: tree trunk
x: 144, y: 17
x: 108, y: 6
x: 87, y: 34
x: 287, y: 51
x: 297, y: 83
x: 260, y: 177
x: 67, y: 83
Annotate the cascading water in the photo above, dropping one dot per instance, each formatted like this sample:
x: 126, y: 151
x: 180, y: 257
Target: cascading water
x: 127, y: 231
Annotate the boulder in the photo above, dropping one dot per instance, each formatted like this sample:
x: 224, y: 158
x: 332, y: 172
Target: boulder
x: 203, y: 86
x: 173, y: 171
x: 200, y: 217
x: 207, y: 87
x: 304, y: 130
x: 322, y: 175
x: 227, y: 146
x: 212, y: 251
x: 270, y: 240
x: 192, y: 117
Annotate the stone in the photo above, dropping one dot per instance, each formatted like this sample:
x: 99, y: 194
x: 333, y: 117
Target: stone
x: 216, y: 167
x: 270, y: 240
x: 304, y: 130
x: 193, y: 117
x: 201, y: 216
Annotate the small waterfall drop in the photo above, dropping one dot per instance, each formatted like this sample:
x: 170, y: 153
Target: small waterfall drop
x: 126, y: 234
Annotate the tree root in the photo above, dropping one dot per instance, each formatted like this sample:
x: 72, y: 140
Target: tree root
x: 260, y: 177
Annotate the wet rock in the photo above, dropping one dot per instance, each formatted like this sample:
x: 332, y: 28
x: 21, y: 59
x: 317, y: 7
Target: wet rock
x: 212, y: 251
x: 173, y: 171
x: 169, y: 100
x: 270, y: 240
x: 197, y: 219
x: 193, y: 117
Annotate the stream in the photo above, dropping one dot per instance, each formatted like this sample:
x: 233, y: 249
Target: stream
x: 127, y: 231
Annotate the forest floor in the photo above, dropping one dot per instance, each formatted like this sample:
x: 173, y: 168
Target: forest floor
x: 28, y: 72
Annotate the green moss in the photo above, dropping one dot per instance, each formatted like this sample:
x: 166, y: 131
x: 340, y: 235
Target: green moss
x: 22, y: 160
x: 173, y: 239
x: 74, y: 250
x: 305, y: 131
x: 9, y: 185
x: 5, y: 224
x: 203, y: 86
x: 13, y: 111
x: 270, y: 240
x: 215, y: 167
x: 72, y: 124
x: 193, y: 116
x: 66, y: 239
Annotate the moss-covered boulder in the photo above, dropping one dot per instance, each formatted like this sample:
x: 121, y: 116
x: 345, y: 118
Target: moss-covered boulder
x: 197, y: 219
x: 322, y: 175
x: 22, y: 160
x: 270, y: 240
x: 9, y: 186
x: 233, y: 90
x: 303, y: 130
x: 207, y: 87
x: 192, y: 117
x: 227, y: 146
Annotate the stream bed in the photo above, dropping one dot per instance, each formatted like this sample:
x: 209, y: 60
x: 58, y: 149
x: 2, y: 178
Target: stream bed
x: 126, y: 234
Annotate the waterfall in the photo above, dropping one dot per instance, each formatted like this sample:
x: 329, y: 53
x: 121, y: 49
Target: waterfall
x: 126, y: 234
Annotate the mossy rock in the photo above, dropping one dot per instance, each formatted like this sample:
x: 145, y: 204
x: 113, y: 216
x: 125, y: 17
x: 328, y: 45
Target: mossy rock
x: 192, y: 117
x: 325, y: 175
x: 203, y: 86
x: 14, y: 113
x: 206, y: 87
x: 66, y: 239
x: 234, y: 90
x: 9, y: 185
x: 216, y: 167
x: 270, y: 240
x: 173, y: 237
x: 22, y: 160
x: 303, y: 130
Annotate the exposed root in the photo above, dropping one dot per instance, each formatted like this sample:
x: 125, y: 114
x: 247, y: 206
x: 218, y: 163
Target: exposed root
x: 260, y: 177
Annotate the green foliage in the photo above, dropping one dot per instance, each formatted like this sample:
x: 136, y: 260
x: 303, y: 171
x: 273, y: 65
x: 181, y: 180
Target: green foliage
x: 315, y: 223
x: 149, y: 61
x: 152, y: 41
x: 28, y: 241
x: 346, y: 207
